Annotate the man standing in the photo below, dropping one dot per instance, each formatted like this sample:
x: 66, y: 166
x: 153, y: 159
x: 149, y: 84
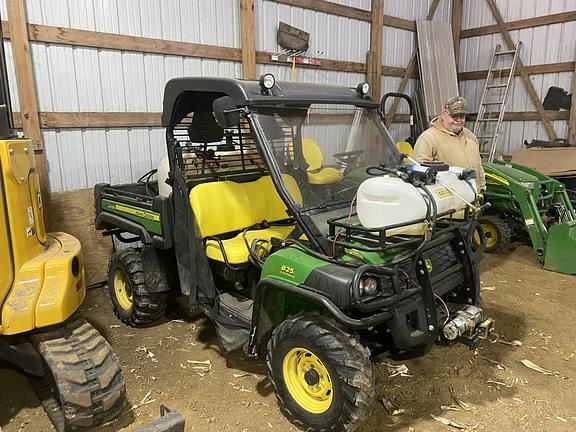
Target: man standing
x: 447, y: 140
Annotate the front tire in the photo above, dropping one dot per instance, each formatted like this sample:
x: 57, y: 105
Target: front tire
x: 497, y: 232
x: 321, y: 374
x: 132, y: 300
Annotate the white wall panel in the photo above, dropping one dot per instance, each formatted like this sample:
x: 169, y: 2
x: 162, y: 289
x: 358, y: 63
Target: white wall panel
x: 79, y: 159
x: 331, y: 36
x: 417, y: 10
x: 88, y: 79
x: 11, y: 72
x: 541, y: 45
x: 200, y: 21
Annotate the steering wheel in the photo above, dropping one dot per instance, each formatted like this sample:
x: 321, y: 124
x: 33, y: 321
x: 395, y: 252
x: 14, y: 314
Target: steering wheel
x: 348, y: 157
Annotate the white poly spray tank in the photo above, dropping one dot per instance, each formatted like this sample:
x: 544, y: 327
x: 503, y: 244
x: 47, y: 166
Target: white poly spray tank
x: 164, y: 189
x: 389, y: 200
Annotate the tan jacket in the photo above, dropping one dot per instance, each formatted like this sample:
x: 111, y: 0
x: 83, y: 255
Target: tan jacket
x: 439, y: 144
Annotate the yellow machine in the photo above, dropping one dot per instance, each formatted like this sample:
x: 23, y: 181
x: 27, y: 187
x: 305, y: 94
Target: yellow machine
x: 42, y: 284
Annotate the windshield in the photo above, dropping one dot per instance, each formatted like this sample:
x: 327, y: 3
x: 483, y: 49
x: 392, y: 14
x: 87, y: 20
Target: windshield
x: 323, y: 152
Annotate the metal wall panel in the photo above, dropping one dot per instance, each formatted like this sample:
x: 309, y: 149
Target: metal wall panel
x: 11, y: 72
x: 417, y: 9
x: 541, y: 45
x: 211, y: 22
x: 101, y: 80
x: 331, y: 36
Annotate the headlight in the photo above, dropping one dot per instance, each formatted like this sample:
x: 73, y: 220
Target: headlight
x: 368, y: 286
x: 267, y: 81
x: 362, y: 89
x: 527, y: 185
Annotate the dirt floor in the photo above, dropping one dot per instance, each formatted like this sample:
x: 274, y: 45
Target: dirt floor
x: 177, y: 363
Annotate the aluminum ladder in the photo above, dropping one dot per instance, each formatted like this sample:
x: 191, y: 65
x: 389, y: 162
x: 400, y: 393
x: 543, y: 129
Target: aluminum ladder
x: 494, y: 95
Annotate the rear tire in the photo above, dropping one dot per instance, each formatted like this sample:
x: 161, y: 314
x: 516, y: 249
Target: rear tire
x: 133, y: 303
x: 321, y: 374
x: 83, y: 386
x: 497, y: 232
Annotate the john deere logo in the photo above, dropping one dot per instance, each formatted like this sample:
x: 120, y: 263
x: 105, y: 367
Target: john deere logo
x: 428, y: 265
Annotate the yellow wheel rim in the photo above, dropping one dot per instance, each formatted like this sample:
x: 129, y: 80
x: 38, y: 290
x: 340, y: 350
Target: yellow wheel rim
x: 491, y: 235
x: 307, y: 380
x: 476, y: 238
x: 122, y: 290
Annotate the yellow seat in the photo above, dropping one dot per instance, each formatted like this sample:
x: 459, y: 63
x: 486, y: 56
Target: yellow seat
x: 227, y: 207
x: 317, y: 174
x: 406, y: 148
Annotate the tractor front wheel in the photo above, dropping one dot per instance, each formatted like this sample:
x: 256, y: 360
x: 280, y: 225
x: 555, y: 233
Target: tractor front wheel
x: 321, y: 374
x: 497, y: 232
x: 131, y: 298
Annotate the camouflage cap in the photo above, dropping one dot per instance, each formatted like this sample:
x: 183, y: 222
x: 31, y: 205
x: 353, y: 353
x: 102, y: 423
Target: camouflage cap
x: 455, y: 105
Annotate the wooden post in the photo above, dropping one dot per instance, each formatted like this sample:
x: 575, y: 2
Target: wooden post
x: 26, y: 85
x: 248, y: 39
x: 456, y: 28
x: 409, y: 70
x: 572, y: 125
x: 525, y: 78
x: 374, y: 61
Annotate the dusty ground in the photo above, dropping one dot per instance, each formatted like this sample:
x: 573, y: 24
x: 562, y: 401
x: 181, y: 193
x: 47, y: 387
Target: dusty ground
x: 487, y: 390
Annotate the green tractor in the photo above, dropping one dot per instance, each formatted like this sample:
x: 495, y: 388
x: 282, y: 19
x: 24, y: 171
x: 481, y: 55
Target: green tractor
x: 284, y: 213
x: 526, y: 202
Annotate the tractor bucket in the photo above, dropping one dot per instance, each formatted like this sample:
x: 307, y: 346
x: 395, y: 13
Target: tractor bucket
x: 561, y: 248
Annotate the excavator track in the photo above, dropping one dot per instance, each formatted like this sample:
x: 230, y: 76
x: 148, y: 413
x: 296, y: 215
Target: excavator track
x: 84, y: 386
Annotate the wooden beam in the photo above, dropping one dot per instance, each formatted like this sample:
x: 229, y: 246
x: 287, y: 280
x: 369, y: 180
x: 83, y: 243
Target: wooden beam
x: 24, y: 72
x: 374, y: 62
x: 527, y: 116
x: 263, y: 57
x: 63, y: 120
x: 558, y: 18
x: 248, y: 39
x: 27, y: 88
x: 329, y: 8
x: 572, y: 125
x: 530, y: 70
x: 409, y: 71
x: 528, y: 84
x: 399, y: 23
x: 72, y: 37
x: 92, y: 39
x: 107, y: 120
x: 456, y: 28
x: 508, y: 116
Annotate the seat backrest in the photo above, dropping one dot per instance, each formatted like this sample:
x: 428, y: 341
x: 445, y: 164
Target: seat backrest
x: 226, y: 206
x: 406, y: 148
x: 312, y: 154
x: 204, y: 128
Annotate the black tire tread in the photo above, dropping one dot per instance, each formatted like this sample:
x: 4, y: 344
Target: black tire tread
x: 350, y: 356
x: 88, y: 387
x: 146, y: 307
x: 503, y: 229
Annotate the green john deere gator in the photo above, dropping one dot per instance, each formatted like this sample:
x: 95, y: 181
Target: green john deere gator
x: 525, y: 202
x: 284, y: 213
